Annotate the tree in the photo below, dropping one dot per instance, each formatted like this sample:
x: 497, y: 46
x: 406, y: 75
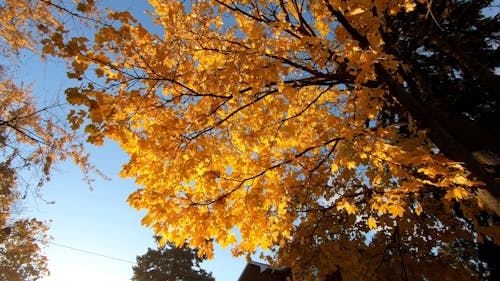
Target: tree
x: 334, y: 134
x: 32, y: 138
x: 20, y: 239
x: 170, y: 263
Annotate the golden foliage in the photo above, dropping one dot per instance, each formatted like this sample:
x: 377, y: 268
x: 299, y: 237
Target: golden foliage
x: 261, y: 119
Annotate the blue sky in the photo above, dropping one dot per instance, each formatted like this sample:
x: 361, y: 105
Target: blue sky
x: 98, y: 221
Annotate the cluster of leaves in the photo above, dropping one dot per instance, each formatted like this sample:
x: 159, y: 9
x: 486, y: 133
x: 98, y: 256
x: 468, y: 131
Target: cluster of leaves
x: 20, y: 239
x: 170, y: 263
x: 315, y: 130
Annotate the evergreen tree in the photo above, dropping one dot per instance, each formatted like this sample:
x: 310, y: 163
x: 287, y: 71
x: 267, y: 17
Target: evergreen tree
x: 170, y: 263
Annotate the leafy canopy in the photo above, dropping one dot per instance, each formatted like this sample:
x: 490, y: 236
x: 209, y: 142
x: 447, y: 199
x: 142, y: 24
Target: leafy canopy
x: 292, y: 127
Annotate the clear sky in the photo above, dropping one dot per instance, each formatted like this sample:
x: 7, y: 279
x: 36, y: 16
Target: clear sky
x: 96, y: 235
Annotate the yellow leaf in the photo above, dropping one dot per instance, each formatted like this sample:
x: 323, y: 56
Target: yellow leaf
x: 418, y: 209
x: 351, y: 164
x: 409, y: 5
x: 457, y: 193
x: 335, y: 168
x: 163, y: 241
x: 396, y: 211
x: 372, y: 223
x: 350, y: 209
x: 382, y: 209
x: 146, y: 221
x: 356, y: 11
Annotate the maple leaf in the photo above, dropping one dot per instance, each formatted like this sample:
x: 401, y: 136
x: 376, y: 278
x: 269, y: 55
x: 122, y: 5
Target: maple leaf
x: 458, y: 193
x: 372, y: 223
x: 395, y: 210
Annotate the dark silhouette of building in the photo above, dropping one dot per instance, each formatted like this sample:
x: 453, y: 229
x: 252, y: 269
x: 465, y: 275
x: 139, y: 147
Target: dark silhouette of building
x: 255, y: 271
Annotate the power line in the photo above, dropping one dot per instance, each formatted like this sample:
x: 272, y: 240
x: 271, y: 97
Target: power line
x: 89, y: 252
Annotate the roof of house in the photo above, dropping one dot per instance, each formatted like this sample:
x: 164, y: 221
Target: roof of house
x: 263, y: 272
x: 256, y: 271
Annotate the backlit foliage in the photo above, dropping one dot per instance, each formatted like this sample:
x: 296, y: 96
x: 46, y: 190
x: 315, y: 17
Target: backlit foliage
x: 286, y: 126
x: 21, y: 257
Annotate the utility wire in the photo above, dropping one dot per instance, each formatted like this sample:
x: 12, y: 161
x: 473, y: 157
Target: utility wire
x: 90, y: 252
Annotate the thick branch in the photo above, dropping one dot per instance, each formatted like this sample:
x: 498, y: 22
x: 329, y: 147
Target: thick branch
x: 432, y: 119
